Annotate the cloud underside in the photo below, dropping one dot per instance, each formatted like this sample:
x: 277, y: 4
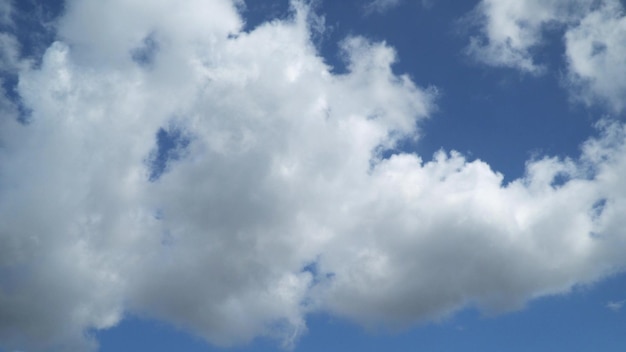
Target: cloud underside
x: 280, y: 202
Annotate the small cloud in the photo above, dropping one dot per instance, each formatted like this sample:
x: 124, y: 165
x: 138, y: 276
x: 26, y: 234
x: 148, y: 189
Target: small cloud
x: 6, y: 11
x: 380, y: 6
x: 145, y: 54
x: 616, y: 306
x: 427, y: 4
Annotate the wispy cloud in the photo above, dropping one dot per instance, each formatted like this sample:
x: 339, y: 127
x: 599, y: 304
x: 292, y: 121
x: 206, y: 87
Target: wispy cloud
x: 380, y: 6
x: 616, y: 306
x: 5, y: 13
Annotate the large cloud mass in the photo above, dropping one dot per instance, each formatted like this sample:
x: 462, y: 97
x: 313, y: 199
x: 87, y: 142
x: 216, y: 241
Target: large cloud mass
x: 274, y: 199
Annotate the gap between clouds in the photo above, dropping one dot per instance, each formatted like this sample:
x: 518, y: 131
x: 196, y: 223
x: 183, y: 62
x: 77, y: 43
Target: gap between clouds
x: 279, y: 203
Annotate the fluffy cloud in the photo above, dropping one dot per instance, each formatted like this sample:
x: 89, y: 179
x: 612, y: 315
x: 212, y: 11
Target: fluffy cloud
x: 446, y: 233
x: 510, y: 29
x: 513, y: 32
x: 595, y: 52
x: 279, y: 203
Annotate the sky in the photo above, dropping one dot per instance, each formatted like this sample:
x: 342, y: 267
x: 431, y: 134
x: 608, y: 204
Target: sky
x: 230, y: 175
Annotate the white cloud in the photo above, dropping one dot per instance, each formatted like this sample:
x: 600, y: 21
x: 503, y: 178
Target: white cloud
x: 595, y: 51
x: 447, y: 233
x: 283, y: 170
x: 513, y: 32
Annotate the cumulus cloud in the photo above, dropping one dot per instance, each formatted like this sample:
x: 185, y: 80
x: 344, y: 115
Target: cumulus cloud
x: 446, y: 233
x: 595, y: 51
x: 513, y: 32
x: 279, y: 203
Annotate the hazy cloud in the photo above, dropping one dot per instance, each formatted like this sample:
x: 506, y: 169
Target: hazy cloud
x: 615, y: 306
x: 380, y: 6
x: 6, y: 10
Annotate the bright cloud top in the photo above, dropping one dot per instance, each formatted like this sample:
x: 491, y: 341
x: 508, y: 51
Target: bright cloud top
x: 279, y: 202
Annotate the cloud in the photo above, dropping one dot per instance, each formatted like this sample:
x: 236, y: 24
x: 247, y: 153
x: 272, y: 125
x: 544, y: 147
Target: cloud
x: 6, y: 9
x: 9, y: 52
x: 278, y: 203
x: 427, y: 4
x: 615, y: 306
x: 513, y: 32
x: 9, y: 66
x: 594, y: 51
x: 447, y: 233
x: 380, y: 6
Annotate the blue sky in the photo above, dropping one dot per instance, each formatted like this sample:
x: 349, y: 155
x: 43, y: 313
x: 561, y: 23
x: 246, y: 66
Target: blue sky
x: 327, y: 175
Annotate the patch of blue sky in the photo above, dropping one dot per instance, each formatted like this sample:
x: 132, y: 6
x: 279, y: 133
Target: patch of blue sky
x: 9, y: 87
x: 145, y: 55
x: 516, y: 116
x: 170, y: 146
x: 34, y: 24
x: 256, y: 13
